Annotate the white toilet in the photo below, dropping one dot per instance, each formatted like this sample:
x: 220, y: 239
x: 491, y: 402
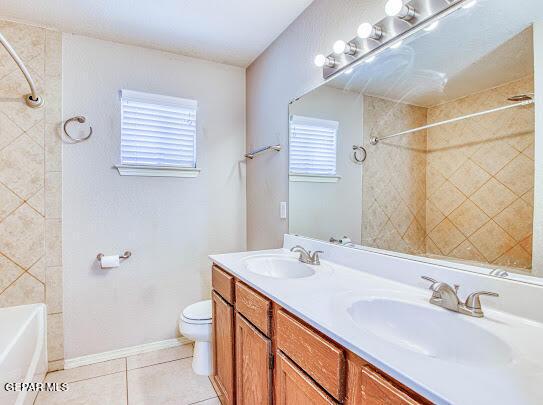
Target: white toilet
x: 195, y: 324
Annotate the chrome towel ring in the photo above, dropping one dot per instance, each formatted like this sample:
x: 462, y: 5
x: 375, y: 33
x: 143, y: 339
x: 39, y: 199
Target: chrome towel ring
x: 80, y: 119
x: 359, y: 159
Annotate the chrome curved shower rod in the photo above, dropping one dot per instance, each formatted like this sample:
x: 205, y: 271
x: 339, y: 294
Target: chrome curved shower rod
x: 32, y: 99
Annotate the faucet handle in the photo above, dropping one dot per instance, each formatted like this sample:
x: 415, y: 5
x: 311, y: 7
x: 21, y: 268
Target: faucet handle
x: 315, y: 257
x: 473, y: 302
x: 430, y: 279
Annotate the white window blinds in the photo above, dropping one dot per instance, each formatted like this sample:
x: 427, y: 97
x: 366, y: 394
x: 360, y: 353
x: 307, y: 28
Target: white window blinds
x: 312, y: 146
x: 157, y: 130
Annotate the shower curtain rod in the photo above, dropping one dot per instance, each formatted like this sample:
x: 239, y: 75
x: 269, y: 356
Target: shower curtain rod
x: 374, y: 140
x: 32, y: 99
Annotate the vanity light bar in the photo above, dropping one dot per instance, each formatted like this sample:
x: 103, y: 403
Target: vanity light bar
x: 404, y: 18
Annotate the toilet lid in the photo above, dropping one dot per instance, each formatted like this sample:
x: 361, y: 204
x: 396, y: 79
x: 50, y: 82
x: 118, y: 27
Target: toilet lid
x: 199, y: 311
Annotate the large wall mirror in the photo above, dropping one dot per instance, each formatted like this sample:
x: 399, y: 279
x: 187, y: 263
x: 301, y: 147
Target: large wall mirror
x: 428, y: 148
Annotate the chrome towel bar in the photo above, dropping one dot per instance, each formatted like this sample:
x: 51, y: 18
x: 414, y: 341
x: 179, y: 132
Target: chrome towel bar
x: 252, y: 154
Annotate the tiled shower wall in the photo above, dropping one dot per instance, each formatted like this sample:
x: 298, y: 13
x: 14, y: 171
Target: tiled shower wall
x: 394, y: 180
x: 480, y: 180
x: 30, y: 179
x: 463, y: 190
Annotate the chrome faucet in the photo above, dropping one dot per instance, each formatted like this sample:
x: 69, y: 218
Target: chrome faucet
x: 445, y: 296
x: 306, y: 256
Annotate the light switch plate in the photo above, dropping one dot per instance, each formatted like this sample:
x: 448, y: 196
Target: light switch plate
x: 283, y: 209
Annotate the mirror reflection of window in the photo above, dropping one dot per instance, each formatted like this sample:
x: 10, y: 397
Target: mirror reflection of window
x: 312, y: 146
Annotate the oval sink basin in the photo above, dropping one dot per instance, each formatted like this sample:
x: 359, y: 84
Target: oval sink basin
x: 433, y: 332
x: 277, y: 266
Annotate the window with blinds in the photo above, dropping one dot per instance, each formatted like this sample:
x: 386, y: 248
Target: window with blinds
x: 312, y: 146
x: 157, y: 131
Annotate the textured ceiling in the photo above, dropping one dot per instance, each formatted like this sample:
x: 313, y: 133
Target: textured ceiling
x: 233, y: 32
x: 470, y: 51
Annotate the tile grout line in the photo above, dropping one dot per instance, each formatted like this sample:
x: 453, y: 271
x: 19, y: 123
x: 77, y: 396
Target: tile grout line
x: 199, y: 402
x: 126, y: 377
x: 156, y: 364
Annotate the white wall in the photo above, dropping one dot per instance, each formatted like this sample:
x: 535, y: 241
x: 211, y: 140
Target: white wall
x: 322, y: 210
x: 169, y: 224
x: 281, y: 73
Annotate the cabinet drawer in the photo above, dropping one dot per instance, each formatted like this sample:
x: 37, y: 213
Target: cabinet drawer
x: 254, y: 307
x: 223, y: 283
x: 377, y: 390
x: 293, y: 386
x: 318, y: 357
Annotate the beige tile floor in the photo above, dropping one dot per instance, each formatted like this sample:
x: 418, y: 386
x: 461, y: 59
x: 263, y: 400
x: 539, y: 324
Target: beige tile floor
x: 162, y: 377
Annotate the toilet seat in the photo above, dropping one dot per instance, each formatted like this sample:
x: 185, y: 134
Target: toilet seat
x: 198, y: 313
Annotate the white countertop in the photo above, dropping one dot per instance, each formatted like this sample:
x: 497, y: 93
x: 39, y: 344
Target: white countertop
x: 320, y: 301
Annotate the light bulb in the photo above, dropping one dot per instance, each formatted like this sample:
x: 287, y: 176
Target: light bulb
x: 469, y: 4
x: 320, y: 60
x: 393, y: 7
x: 339, y: 47
x: 396, y: 8
x: 396, y: 45
x: 343, y: 47
x: 432, y: 26
x: 367, y: 30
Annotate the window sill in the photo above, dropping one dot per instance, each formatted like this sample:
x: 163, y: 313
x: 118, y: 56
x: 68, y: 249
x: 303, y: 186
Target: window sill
x: 313, y: 178
x: 157, y: 171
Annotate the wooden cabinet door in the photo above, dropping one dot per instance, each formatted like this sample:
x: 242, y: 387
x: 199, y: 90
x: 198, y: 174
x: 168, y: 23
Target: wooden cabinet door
x: 223, y: 349
x: 254, y: 363
x: 294, y: 387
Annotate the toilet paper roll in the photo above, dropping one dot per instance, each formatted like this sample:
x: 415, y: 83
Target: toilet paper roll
x: 107, y: 262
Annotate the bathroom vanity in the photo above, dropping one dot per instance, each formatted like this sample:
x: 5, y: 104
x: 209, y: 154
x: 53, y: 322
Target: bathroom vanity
x: 262, y: 352
x: 354, y: 330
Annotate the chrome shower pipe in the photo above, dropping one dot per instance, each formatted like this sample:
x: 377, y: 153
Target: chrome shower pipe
x: 32, y: 99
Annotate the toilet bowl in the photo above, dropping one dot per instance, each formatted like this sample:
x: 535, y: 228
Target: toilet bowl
x: 195, y: 324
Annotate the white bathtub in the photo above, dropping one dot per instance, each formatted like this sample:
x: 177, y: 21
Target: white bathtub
x: 23, y: 350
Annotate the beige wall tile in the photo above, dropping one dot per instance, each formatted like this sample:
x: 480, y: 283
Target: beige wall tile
x: 37, y: 202
x: 53, y: 289
x: 9, y: 272
x: 53, y: 242
x: 447, y: 198
x: 55, y: 341
x: 493, y: 197
x: 8, y: 130
x: 25, y: 290
x: 515, y: 257
x: 21, y: 166
x: 468, y: 218
x: 38, y: 270
x: 492, y: 241
x: 22, y: 236
x: 466, y: 251
x: 55, y: 365
x: 53, y: 196
x: 446, y: 236
x: 469, y: 177
x: 8, y: 202
x: 518, y: 175
x: 516, y: 220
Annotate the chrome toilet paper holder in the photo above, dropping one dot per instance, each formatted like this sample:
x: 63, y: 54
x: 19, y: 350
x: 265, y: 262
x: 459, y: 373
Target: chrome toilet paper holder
x: 124, y: 256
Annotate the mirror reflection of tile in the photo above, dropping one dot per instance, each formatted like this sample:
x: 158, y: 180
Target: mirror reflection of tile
x: 464, y: 190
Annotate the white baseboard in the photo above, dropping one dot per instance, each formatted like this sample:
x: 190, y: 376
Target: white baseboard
x: 124, y: 352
